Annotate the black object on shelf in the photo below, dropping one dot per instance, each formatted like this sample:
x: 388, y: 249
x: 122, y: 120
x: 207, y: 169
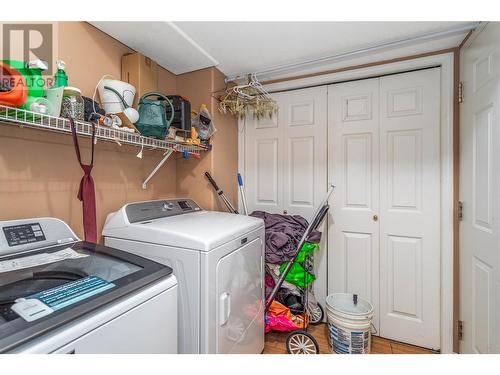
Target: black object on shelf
x: 182, y: 112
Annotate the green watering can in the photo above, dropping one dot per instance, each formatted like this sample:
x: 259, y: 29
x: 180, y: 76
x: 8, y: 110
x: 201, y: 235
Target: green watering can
x: 153, y: 120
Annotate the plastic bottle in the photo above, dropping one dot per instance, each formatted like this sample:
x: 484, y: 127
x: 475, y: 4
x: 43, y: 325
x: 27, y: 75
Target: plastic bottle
x: 60, y: 78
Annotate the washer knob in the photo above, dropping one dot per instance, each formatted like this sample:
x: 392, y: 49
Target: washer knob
x: 167, y: 206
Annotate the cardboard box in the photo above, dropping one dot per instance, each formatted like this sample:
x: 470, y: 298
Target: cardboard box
x: 141, y: 72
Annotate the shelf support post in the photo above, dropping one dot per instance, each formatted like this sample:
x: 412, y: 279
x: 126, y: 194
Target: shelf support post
x: 158, y: 166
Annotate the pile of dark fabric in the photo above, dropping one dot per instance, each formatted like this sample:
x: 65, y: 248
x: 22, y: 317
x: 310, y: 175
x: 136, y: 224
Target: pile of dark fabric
x: 283, y: 234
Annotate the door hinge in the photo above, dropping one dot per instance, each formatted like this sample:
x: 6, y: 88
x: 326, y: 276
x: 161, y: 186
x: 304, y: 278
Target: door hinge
x: 460, y: 211
x: 460, y: 330
x: 460, y: 92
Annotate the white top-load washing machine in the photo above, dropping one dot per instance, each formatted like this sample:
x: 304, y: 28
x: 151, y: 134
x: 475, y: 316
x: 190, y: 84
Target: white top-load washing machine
x: 62, y: 295
x: 217, y: 258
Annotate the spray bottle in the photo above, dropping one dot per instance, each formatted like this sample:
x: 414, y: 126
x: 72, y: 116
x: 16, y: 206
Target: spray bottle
x: 60, y: 78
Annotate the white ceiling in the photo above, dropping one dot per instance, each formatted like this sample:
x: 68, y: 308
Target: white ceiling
x: 241, y: 47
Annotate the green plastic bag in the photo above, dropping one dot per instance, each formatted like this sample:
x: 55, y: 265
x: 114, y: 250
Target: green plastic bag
x: 306, y: 250
x: 297, y: 275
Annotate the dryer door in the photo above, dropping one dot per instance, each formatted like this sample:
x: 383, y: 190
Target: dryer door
x: 240, y: 310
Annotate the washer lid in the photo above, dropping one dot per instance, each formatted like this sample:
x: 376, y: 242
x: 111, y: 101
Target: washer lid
x: 67, y: 288
x: 201, y: 230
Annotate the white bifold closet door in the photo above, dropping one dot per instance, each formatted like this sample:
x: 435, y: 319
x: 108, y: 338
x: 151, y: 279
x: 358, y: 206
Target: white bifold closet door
x: 354, y: 169
x: 480, y: 193
x: 285, y: 162
x: 384, y: 157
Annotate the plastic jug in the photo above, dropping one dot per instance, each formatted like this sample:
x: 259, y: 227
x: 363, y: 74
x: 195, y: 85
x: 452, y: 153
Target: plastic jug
x: 32, y: 74
x: 13, y: 81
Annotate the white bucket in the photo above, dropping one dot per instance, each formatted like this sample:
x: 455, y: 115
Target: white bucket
x: 349, y: 324
x: 110, y: 102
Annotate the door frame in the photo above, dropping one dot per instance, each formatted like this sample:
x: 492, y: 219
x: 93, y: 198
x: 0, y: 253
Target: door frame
x: 446, y: 62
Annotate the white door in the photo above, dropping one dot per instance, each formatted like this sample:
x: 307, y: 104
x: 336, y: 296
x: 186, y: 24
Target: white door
x: 353, y: 118
x: 285, y: 162
x: 410, y: 206
x: 303, y: 116
x: 303, y: 119
x: 384, y: 152
x: 263, y: 176
x: 480, y: 194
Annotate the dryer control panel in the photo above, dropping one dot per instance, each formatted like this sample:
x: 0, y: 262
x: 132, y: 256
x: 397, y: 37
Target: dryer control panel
x: 143, y: 211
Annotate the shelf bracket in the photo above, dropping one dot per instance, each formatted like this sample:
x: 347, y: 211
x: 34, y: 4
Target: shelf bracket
x: 166, y: 155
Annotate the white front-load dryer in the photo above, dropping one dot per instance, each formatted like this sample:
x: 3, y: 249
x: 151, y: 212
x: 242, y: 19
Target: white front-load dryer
x: 218, y: 259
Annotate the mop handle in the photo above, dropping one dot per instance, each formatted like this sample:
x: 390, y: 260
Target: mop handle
x: 240, y: 184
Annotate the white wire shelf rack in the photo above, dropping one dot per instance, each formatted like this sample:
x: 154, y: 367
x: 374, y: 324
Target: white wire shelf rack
x: 24, y: 118
x: 21, y: 117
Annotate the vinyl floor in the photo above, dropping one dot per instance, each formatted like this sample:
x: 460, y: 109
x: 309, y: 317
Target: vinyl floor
x: 275, y: 343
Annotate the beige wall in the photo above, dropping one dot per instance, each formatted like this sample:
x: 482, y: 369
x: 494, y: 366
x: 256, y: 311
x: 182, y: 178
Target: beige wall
x: 89, y: 54
x: 39, y: 173
x: 167, y: 82
x: 191, y: 180
x: 225, y: 152
x: 222, y: 161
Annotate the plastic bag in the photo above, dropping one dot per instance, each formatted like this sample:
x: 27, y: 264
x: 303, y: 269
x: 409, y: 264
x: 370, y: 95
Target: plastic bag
x: 279, y: 323
x: 297, y: 275
x: 306, y: 250
x: 280, y: 318
x: 203, y: 124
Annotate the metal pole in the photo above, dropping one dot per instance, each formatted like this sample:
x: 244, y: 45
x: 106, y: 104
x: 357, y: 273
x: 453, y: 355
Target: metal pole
x: 162, y: 161
x: 221, y: 194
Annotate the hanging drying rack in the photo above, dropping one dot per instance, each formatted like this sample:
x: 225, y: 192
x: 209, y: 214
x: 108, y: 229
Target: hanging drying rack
x: 21, y: 117
x: 239, y: 99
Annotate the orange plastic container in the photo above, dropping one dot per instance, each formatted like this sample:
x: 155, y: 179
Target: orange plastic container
x: 18, y: 94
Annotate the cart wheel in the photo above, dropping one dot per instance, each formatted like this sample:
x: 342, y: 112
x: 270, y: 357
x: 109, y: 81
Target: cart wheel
x: 301, y: 342
x: 316, y: 315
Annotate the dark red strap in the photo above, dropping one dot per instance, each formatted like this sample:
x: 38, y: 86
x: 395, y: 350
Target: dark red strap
x: 86, y: 193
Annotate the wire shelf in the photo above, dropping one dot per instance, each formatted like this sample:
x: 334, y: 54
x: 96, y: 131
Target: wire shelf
x: 17, y: 116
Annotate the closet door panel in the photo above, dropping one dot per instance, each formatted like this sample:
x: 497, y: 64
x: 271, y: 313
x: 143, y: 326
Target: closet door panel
x: 410, y: 207
x: 303, y: 117
x: 264, y: 163
x: 286, y: 163
x: 300, y: 176
x: 358, y: 260
x: 304, y: 123
x: 353, y: 147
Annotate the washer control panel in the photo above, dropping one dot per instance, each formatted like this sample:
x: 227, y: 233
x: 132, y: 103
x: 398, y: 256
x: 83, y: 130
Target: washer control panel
x: 144, y: 211
x: 23, y: 234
